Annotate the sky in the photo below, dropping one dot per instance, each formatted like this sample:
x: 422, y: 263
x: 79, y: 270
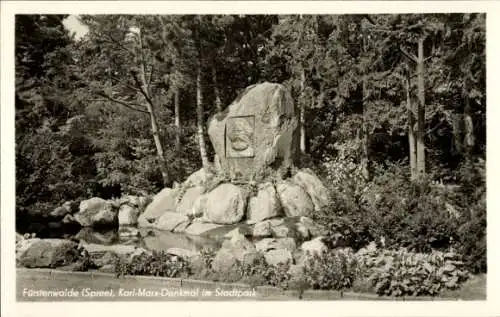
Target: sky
x: 74, y: 26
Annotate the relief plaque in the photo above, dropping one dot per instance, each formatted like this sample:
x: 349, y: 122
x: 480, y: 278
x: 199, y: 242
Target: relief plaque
x: 240, y: 137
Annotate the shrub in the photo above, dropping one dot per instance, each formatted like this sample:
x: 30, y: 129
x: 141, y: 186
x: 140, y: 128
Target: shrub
x: 156, y: 264
x: 400, y: 272
x: 332, y: 269
x: 273, y: 275
x: 471, y: 241
x: 396, y: 212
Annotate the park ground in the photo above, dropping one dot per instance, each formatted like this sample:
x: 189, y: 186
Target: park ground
x: 43, y: 279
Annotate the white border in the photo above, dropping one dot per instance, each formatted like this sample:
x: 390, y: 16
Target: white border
x: 348, y: 308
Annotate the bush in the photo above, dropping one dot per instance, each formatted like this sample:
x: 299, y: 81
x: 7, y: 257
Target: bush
x: 156, y: 264
x: 273, y: 275
x: 395, y: 212
x: 400, y: 272
x: 333, y: 269
x: 471, y: 241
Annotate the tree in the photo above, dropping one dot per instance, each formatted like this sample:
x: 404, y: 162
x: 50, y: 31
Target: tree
x: 53, y: 160
x: 123, y: 44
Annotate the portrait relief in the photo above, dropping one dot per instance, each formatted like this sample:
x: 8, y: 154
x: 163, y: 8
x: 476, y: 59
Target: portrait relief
x: 240, y: 137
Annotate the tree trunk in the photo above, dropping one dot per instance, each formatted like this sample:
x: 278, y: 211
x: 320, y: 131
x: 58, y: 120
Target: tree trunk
x: 302, y: 112
x: 421, y: 110
x: 469, y: 139
x: 364, y: 130
x: 458, y: 133
x: 177, y: 120
x: 154, y: 126
x: 411, y: 131
x: 218, y: 103
x: 200, y: 119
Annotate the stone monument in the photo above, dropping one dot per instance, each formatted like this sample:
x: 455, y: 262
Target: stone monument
x: 254, y: 178
x: 255, y: 136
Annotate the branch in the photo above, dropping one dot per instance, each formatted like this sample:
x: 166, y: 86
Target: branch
x: 410, y: 56
x: 121, y: 102
x: 435, y: 128
x: 151, y: 75
x: 143, y: 92
x: 125, y: 84
x: 111, y: 40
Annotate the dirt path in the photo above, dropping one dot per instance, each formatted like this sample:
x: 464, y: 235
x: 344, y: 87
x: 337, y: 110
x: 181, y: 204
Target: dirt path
x: 86, y: 286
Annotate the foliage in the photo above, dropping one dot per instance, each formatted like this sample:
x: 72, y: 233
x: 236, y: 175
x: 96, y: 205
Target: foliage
x: 396, y: 213
x: 400, y: 272
x: 155, y: 264
x: 332, y: 269
x: 273, y: 275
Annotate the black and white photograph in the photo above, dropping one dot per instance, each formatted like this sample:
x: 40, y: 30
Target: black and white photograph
x: 249, y: 157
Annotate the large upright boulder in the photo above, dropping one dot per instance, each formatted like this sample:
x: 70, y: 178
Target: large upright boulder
x: 163, y: 201
x: 226, y: 204
x: 96, y: 212
x: 255, y: 133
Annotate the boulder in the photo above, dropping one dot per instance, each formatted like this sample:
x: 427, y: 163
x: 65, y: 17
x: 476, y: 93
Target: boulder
x: 127, y: 215
x: 302, y: 231
x: 262, y: 230
x: 198, y: 178
x: 314, y: 246
x: 46, y: 253
x: 313, y: 187
x: 295, y: 201
x: 281, y: 231
x: 19, y: 238
x: 280, y: 256
x: 276, y: 222
x: 108, y: 258
x: 170, y: 220
x: 314, y: 229
x: 267, y: 244
x: 199, y: 207
x: 69, y: 219
x: 96, y: 212
x: 226, y: 204
x: 256, y: 131
x: 186, y: 203
x: 246, y: 232
x: 121, y: 250
x: 163, y: 201
x: 66, y: 208
x: 236, y: 249
x: 265, y: 204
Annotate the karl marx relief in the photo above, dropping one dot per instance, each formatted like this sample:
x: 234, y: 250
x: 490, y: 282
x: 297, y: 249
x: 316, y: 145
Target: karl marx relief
x: 240, y: 137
